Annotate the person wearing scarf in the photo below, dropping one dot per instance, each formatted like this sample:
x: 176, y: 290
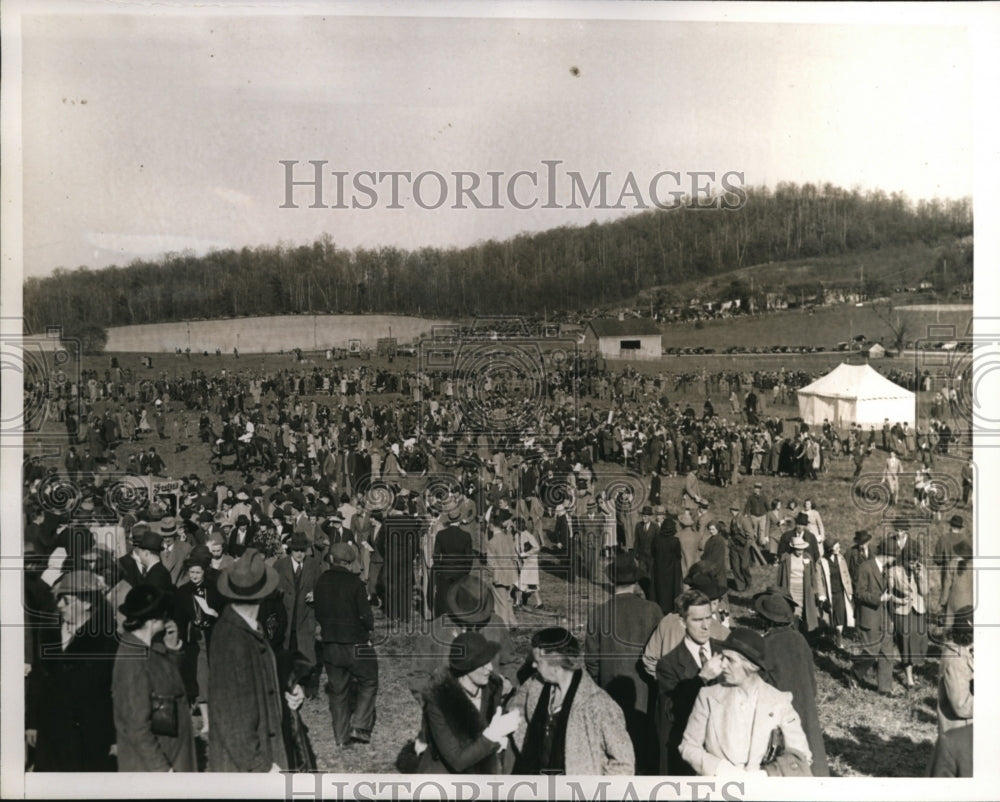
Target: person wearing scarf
x: 569, y: 725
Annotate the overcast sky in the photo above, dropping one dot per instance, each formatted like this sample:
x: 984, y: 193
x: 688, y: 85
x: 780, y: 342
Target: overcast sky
x: 148, y: 134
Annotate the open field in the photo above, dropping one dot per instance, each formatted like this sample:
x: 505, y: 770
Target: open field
x: 267, y: 334
x: 825, y: 326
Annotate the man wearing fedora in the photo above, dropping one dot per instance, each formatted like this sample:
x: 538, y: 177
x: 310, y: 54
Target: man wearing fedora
x: 617, y: 631
x: 241, y: 538
x: 452, y: 560
x: 174, y: 551
x: 244, y: 696
x: 149, y: 546
x: 859, y: 552
x: 346, y: 620
x: 801, y: 530
x: 298, y: 574
x: 872, y: 615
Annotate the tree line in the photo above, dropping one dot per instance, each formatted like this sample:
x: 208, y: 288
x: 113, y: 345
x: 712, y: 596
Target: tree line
x: 565, y: 268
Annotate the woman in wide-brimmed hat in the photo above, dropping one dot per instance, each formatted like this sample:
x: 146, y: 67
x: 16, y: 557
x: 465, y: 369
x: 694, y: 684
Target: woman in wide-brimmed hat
x: 724, y: 734
x: 464, y: 725
x: 152, y: 718
x: 798, y: 575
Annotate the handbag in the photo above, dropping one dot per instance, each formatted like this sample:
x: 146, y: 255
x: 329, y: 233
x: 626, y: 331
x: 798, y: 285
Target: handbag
x: 164, y: 717
x: 780, y: 762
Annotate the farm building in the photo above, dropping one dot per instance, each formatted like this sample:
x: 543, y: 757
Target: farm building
x: 876, y: 351
x: 623, y: 339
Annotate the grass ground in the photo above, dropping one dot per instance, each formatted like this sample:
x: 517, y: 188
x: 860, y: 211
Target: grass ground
x: 866, y: 734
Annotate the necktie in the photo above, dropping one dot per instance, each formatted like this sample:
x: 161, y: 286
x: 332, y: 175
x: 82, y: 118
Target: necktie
x: 704, y: 654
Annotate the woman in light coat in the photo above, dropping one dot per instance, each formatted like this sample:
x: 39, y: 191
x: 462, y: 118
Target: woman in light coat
x: 835, y: 590
x: 725, y: 736
x: 588, y: 727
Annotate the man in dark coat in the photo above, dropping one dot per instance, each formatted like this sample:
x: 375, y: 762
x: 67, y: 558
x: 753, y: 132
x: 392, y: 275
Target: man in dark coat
x: 790, y: 668
x: 801, y: 529
x: 713, y: 554
x: 666, y: 562
x: 740, y: 538
x: 68, y: 713
x: 149, y: 546
x: 872, y: 615
x: 617, y: 631
x: 858, y: 554
x: 680, y: 676
x: 452, y: 560
x: 645, y: 530
x: 241, y: 538
x: 297, y: 575
x: 347, y: 622
x: 244, y: 695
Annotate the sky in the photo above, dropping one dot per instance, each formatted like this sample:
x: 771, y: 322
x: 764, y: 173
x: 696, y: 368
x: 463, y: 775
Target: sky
x: 145, y: 134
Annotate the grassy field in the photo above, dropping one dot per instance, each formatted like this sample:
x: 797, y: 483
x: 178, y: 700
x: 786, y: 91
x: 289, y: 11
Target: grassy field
x: 866, y: 734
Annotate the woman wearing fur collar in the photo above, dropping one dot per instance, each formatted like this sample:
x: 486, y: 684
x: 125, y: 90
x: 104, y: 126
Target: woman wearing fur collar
x: 466, y: 728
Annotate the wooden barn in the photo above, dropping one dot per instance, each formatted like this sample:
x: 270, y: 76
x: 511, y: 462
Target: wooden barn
x: 637, y: 338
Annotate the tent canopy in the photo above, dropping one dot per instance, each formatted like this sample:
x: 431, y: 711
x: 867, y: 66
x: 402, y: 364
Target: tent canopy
x: 855, y: 394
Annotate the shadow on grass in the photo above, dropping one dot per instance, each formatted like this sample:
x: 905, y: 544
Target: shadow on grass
x: 868, y: 753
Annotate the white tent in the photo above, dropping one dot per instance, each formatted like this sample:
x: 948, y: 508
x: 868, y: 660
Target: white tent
x: 855, y: 394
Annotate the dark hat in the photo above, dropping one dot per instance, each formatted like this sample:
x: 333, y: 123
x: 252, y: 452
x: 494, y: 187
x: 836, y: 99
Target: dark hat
x: 746, y: 642
x: 77, y: 583
x: 557, y: 640
x: 773, y: 607
x: 298, y: 542
x: 470, y: 601
x: 802, y: 519
x: 343, y: 553
x: 248, y: 579
x: 278, y: 513
x: 145, y: 602
x: 699, y: 580
x: 956, y: 522
x: 623, y: 571
x: 862, y: 536
x: 775, y: 590
x: 469, y: 651
x: 647, y: 510
x: 200, y: 556
x: 242, y: 520
x: 148, y: 539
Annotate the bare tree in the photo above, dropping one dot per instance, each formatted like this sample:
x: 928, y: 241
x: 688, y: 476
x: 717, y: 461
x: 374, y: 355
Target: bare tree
x: 898, y: 326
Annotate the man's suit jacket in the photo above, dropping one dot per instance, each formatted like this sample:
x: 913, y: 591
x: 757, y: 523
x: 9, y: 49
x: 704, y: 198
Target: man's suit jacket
x: 708, y: 745
x: 678, y: 685
x: 173, y: 560
x: 644, y: 534
x: 158, y: 576
x: 869, y: 609
x: 128, y: 569
x: 301, y: 617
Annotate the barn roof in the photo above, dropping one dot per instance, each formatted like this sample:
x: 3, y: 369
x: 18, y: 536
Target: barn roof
x: 609, y: 327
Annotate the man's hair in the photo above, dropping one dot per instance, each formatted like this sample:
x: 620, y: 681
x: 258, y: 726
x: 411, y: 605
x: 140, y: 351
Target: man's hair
x: 688, y: 599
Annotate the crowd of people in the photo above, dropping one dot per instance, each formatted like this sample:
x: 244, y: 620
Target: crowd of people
x: 183, y: 628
